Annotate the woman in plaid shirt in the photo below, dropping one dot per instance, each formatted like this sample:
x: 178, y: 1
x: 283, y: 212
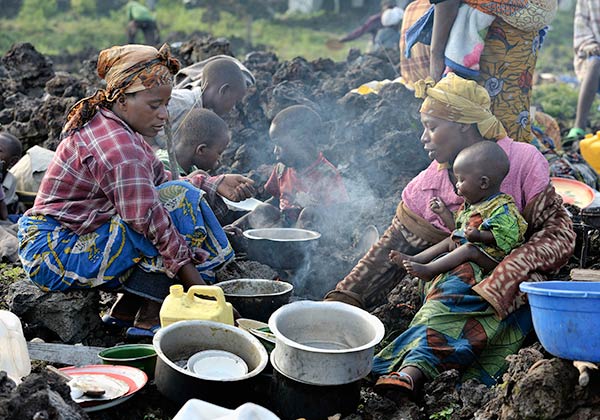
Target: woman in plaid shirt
x: 105, y: 205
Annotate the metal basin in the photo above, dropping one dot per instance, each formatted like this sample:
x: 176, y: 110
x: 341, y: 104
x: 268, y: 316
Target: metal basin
x: 283, y: 248
x: 175, y: 344
x: 256, y: 298
x: 324, y: 343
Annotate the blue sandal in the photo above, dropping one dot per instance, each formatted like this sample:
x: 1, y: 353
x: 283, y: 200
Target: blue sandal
x: 111, y: 321
x: 135, y: 332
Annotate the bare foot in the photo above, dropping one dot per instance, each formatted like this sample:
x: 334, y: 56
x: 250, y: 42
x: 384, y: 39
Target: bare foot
x: 398, y: 258
x: 421, y: 271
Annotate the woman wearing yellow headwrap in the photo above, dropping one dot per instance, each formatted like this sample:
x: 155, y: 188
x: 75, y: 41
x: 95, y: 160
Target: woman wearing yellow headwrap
x: 105, y: 209
x: 467, y: 322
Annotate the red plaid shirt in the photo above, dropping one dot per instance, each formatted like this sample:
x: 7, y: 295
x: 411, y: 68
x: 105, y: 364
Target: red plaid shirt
x: 320, y: 184
x: 105, y: 169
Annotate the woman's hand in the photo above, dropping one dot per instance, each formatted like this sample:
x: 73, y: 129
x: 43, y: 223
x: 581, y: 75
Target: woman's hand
x: 233, y: 230
x: 437, y: 67
x: 236, y: 187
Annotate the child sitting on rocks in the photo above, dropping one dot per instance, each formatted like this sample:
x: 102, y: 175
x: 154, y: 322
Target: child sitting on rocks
x: 11, y: 150
x: 488, y: 225
x: 304, y: 185
x: 203, y: 137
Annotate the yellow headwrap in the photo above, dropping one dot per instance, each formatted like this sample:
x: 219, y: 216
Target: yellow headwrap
x: 126, y: 69
x: 459, y: 100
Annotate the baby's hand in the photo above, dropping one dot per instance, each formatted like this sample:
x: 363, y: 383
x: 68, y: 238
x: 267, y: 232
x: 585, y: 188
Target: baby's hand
x: 437, y: 205
x: 472, y: 234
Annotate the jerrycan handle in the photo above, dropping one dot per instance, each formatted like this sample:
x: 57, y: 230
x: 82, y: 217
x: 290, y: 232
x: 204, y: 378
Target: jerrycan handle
x: 205, y: 290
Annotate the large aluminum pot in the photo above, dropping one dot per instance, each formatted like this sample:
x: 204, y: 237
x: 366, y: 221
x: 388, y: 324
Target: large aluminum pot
x: 324, y: 343
x: 175, y: 344
x: 282, y: 248
x: 256, y: 298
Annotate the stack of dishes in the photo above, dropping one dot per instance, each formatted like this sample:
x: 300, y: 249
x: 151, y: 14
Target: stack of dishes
x: 217, y: 365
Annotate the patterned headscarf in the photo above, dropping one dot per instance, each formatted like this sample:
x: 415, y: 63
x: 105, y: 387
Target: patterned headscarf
x: 459, y: 100
x: 126, y: 69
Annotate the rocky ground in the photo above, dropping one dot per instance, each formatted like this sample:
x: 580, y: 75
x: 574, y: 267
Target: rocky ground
x: 373, y: 139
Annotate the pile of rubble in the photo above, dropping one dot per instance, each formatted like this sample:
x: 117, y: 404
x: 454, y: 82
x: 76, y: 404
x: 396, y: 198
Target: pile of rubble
x: 374, y: 141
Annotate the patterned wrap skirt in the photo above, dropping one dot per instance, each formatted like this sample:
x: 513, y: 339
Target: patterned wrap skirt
x: 57, y: 259
x: 457, y: 329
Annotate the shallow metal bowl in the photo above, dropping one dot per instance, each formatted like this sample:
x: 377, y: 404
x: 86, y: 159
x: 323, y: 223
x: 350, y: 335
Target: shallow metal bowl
x: 283, y: 248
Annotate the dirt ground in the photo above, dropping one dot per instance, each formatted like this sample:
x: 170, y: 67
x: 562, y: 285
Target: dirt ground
x: 377, y: 150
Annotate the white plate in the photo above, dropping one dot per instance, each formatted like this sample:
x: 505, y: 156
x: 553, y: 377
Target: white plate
x: 134, y: 377
x: 248, y: 204
x: 217, y: 364
x: 113, y: 387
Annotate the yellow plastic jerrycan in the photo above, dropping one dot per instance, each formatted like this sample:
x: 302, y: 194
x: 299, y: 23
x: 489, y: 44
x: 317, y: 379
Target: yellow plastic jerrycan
x: 180, y: 306
x: 14, y: 356
x: 590, y: 150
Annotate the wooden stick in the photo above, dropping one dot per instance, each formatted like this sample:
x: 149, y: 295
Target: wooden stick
x: 585, y: 274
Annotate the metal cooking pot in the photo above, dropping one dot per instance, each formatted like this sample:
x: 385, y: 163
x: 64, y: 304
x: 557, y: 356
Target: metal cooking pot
x: 175, y: 344
x: 293, y: 400
x: 256, y: 298
x: 324, y: 343
x: 283, y: 248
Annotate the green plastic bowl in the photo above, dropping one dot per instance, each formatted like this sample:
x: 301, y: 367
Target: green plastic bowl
x: 141, y: 356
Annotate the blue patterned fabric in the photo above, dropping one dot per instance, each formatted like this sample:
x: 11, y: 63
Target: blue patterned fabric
x: 56, y: 259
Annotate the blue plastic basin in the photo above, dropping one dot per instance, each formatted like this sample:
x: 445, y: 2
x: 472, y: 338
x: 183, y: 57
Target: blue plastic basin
x: 566, y: 317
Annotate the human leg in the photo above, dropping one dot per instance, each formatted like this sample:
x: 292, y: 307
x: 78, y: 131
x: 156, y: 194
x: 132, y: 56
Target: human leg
x: 506, y: 71
x: 131, y: 32
x: 151, y: 35
x: 455, y: 329
x: 462, y: 254
x: 375, y: 275
x: 407, y: 382
x: 57, y: 259
x: 124, y: 309
x: 587, y: 91
x: 427, y: 255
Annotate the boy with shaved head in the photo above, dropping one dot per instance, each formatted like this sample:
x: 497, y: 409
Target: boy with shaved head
x: 222, y: 85
x: 202, y: 138
x: 488, y: 225
x: 305, y: 187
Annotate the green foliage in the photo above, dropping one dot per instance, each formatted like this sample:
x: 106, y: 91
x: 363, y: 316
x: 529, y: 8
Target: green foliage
x: 560, y: 101
x: 81, y: 28
x: 445, y: 414
x: 84, y: 7
x: 556, y: 55
x: 38, y: 9
x: 10, y: 273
